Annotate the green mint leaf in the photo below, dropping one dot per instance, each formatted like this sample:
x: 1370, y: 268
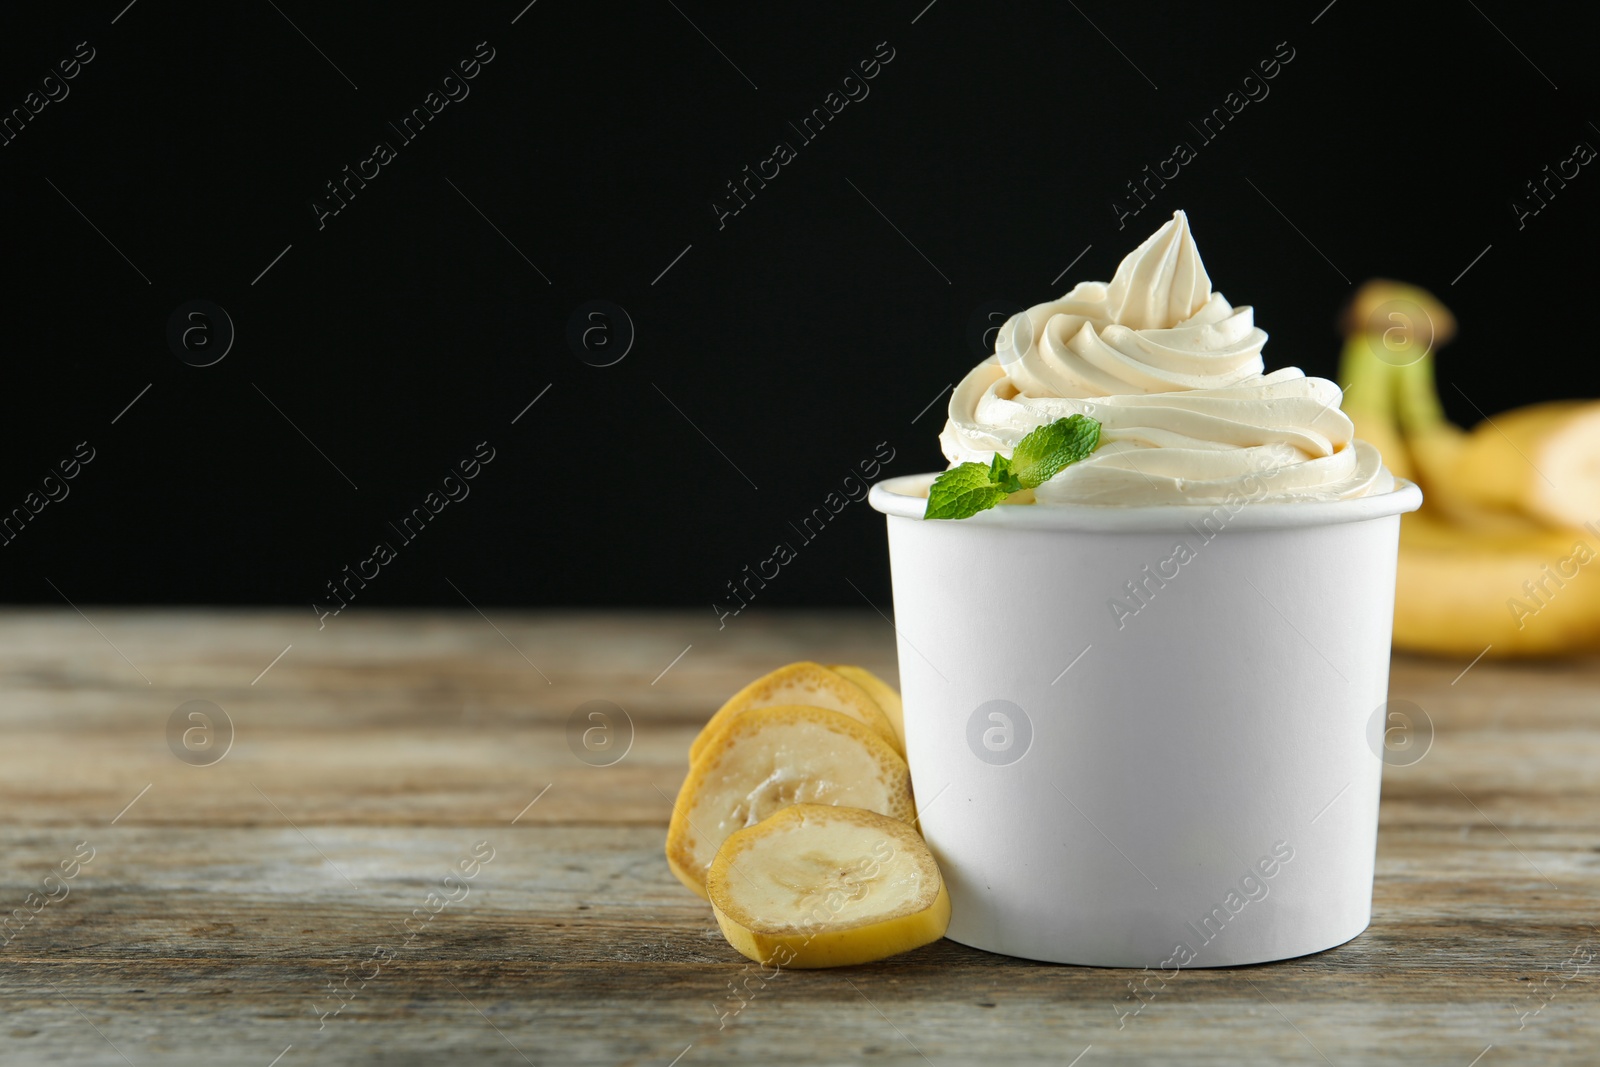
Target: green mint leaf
x: 1045, y: 452
x: 1001, y: 474
x: 964, y: 490
x: 969, y: 488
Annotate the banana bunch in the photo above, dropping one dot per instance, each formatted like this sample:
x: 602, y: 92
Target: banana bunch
x: 1498, y: 556
x: 795, y: 822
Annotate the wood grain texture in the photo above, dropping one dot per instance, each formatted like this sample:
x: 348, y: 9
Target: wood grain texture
x: 371, y: 759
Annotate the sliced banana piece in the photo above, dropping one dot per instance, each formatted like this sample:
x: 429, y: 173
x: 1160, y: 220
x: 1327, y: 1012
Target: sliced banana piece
x: 764, y: 760
x: 882, y: 693
x: 821, y: 886
x: 802, y: 683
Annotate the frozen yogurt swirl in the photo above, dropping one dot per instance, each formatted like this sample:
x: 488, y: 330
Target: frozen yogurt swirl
x: 1173, y: 373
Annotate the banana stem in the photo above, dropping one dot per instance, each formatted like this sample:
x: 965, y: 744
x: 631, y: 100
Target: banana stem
x: 1417, y: 397
x: 1368, y: 381
x: 1369, y: 400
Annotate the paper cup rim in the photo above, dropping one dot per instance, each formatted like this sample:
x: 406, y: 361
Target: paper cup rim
x: 906, y: 497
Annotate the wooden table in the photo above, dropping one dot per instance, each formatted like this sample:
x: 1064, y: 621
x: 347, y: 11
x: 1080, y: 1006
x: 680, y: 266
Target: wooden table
x: 224, y: 902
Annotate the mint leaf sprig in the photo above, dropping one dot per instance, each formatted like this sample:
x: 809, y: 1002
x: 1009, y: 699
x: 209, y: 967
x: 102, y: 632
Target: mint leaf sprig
x: 969, y: 488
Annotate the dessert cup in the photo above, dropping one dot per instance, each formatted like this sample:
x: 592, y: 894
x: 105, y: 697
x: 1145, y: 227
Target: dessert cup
x: 1148, y: 736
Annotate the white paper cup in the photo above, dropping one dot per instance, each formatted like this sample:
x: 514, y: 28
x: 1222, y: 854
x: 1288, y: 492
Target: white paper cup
x: 1188, y: 781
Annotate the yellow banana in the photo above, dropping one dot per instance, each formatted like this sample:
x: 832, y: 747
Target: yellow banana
x: 882, y: 693
x: 804, y: 683
x: 823, y: 886
x: 796, y: 822
x: 1542, y: 460
x: 1495, y: 562
x: 1461, y: 590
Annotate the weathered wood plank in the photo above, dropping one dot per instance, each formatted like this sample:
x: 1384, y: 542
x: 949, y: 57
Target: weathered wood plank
x: 372, y: 757
x: 562, y: 924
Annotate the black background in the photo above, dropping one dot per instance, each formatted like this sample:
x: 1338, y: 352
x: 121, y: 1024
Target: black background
x: 797, y: 337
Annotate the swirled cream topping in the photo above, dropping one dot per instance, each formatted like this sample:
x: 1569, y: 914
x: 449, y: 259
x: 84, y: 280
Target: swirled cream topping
x: 1174, y: 375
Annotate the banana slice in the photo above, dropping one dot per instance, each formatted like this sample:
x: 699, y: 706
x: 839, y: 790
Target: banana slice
x: 801, y: 683
x: 767, y: 759
x: 882, y: 693
x: 821, y: 886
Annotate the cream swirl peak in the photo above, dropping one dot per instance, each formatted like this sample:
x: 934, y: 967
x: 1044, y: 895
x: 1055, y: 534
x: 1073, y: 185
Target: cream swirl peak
x: 1173, y: 373
x: 1157, y: 327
